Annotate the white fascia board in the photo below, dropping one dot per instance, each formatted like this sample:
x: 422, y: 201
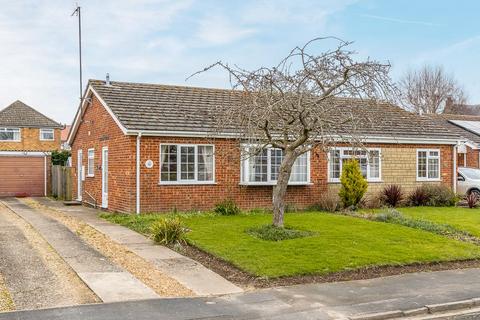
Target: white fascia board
x: 81, y: 110
x: 192, y: 134
x: 24, y: 153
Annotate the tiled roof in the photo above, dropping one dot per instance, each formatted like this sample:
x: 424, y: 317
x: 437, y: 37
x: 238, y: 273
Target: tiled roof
x: 444, y: 120
x: 19, y: 114
x: 155, y: 107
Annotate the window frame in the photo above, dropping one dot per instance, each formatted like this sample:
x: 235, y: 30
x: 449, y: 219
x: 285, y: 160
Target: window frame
x: 330, y: 179
x: 439, y: 157
x: 42, y: 130
x: 92, y: 158
x: 14, y: 129
x: 179, y: 180
x: 244, y: 171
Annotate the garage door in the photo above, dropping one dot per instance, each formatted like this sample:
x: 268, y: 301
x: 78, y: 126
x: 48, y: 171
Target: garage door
x: 22, y: 176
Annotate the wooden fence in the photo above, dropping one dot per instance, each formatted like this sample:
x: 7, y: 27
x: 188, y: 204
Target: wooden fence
x: 62, y: 182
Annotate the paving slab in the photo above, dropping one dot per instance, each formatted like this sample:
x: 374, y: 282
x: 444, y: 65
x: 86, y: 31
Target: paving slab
x: 107, y: 280
x: 193, y: 275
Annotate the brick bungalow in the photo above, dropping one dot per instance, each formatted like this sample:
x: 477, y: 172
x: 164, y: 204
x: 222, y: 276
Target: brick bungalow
x: 468, y: 128
x: 153, y: 148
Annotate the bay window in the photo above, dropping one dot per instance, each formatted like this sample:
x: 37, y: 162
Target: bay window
x: 263, y: 168
x: 182, y: 163
x: 368, y: 159
x: 428, y: 164
x: 9, y: 134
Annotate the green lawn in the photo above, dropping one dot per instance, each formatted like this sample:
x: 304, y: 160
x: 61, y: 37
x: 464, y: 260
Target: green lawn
x: 460, y: 218
x: 339, y: 243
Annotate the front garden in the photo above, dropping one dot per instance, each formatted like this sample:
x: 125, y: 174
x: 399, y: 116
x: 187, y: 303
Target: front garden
x: 336, y: 243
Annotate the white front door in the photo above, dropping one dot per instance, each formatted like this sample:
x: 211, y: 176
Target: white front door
x: 105, y: 177
x: 79, y: 174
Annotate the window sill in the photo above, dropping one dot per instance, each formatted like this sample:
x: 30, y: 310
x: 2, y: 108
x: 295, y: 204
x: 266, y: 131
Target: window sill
x: 50, y: 140
x: 429, y: 180
x: 186, y: 183
x: 259, y: 184
x: 10, y: 140
x: 90, y: 176
x: 369, y: 181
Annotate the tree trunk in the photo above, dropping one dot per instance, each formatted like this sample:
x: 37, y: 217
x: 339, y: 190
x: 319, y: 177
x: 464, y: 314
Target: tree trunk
x: 280, y: 189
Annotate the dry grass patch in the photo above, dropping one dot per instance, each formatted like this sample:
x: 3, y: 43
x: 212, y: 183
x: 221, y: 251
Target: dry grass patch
x: 6, y: 302
x: 139, y: 267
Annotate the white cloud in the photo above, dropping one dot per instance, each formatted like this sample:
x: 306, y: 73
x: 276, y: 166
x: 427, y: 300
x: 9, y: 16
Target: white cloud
x: 402, y: 21
x: 218, y: 30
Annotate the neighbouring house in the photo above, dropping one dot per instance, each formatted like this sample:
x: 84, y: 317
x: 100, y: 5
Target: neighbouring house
x: 461, y: 109
x: 26, y: 139
x: 468, y: 128
x: 64, y: 137
x: 154, y: 148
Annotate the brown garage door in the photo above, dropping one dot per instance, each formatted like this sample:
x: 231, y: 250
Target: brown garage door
x: 22, y: 176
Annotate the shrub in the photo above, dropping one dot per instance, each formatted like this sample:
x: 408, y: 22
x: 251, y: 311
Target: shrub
x: 329, y: 202
x: 273, y: 233
x: 419, y: 197
x: 472, y: 200
x: 441, y: 195
x: 433, y: 195
x: 354, y: 184
x: 167, y: 231
x: 60, y: 157
x: 227, y: 207
x: 392, y: 195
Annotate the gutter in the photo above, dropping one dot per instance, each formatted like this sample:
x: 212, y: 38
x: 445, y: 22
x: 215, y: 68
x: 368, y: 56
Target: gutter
x: 137, y: 184
x: 226, y: 135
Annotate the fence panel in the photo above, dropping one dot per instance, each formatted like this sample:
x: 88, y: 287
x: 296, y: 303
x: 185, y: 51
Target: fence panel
x: 62, y: 182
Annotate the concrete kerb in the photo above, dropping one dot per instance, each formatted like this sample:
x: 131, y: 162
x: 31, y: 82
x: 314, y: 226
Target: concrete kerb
x: 428, y: 309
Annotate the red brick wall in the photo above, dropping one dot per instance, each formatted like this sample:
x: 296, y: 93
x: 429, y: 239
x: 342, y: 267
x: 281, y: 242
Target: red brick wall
x: 157, y: 197
x: 97, y: 130
x: 471, y: 158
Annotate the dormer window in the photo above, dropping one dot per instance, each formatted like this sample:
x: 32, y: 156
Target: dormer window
x: 10, y: 134
x: 47, y: 135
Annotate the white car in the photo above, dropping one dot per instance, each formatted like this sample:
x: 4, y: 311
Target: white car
x: 468, y: 181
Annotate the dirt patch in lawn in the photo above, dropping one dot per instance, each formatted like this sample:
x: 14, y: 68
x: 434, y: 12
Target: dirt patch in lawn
x: 246, y: 280
x: 139, y: 267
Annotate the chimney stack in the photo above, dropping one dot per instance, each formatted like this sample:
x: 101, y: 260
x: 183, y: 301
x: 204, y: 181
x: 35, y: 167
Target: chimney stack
x: 107, y: 79
x: 448, y: 103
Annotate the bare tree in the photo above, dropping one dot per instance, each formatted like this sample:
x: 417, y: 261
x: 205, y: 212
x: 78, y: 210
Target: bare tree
x: 427, y: 89
x: 293, y: 106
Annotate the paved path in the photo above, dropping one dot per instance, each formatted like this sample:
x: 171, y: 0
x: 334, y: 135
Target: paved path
x: 314, y: 301
x: 193, y: 275
x: 29, y: 279
x: 107, y: 280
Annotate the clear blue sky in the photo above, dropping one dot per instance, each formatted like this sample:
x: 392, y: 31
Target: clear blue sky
x: 165, y: 41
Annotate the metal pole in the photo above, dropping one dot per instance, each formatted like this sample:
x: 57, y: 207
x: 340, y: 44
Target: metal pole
x: 78, y: 13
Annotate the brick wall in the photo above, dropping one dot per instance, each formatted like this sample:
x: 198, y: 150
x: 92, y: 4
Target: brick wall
x: 30, y: 140
x: 98, y: 130
x: 470, y: 159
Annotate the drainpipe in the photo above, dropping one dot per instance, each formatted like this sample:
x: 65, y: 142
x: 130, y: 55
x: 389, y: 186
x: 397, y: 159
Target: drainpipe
x: 455, y: 167
x: 137, y: 209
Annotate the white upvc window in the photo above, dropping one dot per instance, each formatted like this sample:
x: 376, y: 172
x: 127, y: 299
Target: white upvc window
x: 91, y: 163
x: 47, y: 134
x: 187, y: 164
x: 10, y: 134
x: 369, y: 160
x: 428, y: 165
x: 263, y: 167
